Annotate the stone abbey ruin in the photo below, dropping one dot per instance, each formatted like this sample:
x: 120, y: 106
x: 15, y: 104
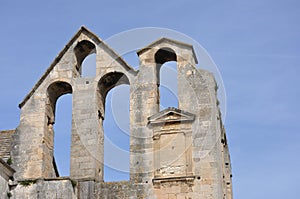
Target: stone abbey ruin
x: 176, y: 153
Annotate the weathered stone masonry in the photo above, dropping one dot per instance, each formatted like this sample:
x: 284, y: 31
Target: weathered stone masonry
x: 180, y: 152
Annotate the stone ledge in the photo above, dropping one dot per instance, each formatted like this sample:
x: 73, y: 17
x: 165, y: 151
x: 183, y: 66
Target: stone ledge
x: 187, y: 179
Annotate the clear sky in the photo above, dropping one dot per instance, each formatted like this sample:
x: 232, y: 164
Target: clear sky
x: 255, y: 45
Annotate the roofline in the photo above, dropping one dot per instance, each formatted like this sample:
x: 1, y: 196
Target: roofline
x: 7, y: 165
x: 8, y: 131
x: 61, y: 54
x: 151, y: 45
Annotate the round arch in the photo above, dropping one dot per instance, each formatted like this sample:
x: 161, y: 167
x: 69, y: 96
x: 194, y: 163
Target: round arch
x: 55, y: 90
x: 164, y: 55
x: 111, y: 80
x: 82, y: 50
x: 167, y: 77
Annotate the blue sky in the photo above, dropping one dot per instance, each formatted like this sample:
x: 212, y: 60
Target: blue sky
x: 255, y: 45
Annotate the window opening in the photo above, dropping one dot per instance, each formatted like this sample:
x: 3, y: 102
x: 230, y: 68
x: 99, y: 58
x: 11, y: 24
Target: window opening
x: 167, y: 78
x: 116, y: 134
x: 85, y: 52
x: 62, y: 134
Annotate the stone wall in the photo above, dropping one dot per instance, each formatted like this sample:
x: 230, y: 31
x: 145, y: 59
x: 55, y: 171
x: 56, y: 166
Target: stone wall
x: 5, y: 144
x: 123, y: 189
x: 44, y: 189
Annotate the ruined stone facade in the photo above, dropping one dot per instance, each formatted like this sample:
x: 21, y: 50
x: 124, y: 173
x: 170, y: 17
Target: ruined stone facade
x: 177, y: 153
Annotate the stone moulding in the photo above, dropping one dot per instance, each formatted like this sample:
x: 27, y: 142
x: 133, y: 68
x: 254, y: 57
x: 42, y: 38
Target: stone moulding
x: 186, y: 179
x: 171, y: 115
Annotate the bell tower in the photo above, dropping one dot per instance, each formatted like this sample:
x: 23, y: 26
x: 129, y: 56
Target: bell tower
x: 176, y: 152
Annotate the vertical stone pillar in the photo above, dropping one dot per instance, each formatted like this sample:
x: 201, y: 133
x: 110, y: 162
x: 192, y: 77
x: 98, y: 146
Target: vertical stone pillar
x: 144, y: 103
x: 86, y: 155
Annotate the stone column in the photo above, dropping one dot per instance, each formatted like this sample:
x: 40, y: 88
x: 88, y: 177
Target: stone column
x: 87, y: 137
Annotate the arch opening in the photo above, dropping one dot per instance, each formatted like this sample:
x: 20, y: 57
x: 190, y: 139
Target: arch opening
x: 88, y: 66
x: 58, y: 136
x: 114, y: 107
x: 110, y: 81
x: 62, y: 134
x: 168, y: 86
x: 164, y: 55
x: 85, y: 52
x: 167, y: 78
